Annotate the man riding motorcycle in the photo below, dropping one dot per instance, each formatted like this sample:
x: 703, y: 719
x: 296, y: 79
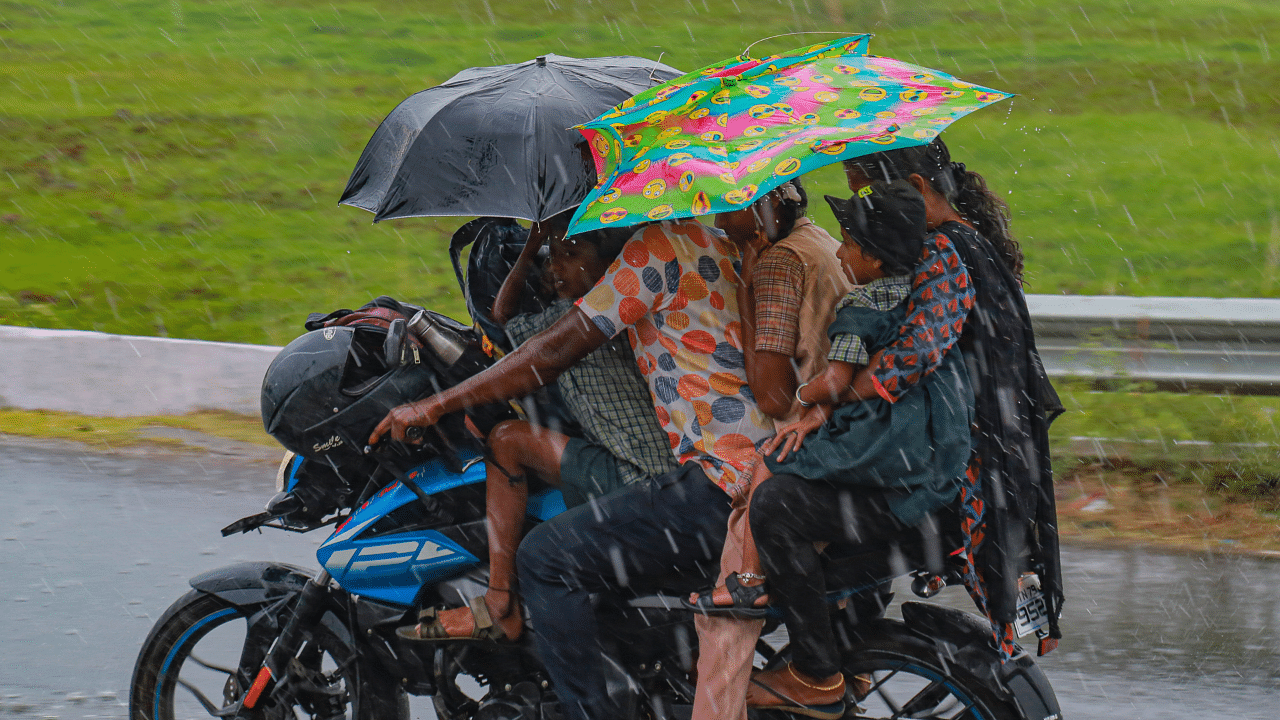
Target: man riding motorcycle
x: 674, y: 291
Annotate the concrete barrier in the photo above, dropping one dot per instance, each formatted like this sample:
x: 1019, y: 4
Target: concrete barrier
x: 1177, y: 342
x: 117, y: 375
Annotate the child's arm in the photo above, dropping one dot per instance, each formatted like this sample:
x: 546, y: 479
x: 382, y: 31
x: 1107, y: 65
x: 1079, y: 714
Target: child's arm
x: 508, y: 298
x: 818, y: 395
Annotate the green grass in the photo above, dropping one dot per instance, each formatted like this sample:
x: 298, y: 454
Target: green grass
x: 1150, y: 430
x: 172, y: 167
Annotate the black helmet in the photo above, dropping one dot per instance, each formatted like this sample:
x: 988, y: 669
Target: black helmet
x: 327, y: 390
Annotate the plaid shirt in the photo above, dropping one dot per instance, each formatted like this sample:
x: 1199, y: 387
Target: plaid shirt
x: 881, y: 294
x: 777, y: 280
x: 608, y: 397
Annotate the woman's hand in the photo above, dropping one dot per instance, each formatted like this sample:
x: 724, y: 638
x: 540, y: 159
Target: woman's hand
x: 421, y: 414
x: 791, y: 437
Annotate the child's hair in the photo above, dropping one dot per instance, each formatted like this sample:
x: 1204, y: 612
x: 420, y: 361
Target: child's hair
x: 966, y: 190
x: 886, y: 220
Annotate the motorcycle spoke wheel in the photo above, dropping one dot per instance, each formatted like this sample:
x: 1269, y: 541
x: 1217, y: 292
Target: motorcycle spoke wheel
x: 909, y: 683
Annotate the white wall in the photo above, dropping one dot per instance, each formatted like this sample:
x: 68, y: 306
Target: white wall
x: 99, y: 374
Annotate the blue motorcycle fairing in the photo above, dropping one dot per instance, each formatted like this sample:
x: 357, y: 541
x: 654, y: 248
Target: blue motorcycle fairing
x: 392, y: 567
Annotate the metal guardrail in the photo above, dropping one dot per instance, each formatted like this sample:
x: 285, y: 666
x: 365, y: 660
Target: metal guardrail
x: 1230, y: 345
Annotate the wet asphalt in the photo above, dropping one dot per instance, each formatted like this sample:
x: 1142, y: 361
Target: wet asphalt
x: 94, y: 546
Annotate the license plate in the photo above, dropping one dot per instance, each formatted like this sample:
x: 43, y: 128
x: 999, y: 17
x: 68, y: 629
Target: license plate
x: 1033, y: 613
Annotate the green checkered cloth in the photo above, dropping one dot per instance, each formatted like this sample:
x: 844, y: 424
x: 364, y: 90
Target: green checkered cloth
x: 880, y: 294
x: 609, y: 398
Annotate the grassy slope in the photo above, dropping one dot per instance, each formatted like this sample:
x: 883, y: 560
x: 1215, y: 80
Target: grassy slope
x: 172, y: 167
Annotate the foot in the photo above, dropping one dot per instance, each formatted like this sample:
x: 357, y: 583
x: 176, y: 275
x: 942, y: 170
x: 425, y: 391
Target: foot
x: 786, y: 688
x: 737, y: 596
x: 504, y: 609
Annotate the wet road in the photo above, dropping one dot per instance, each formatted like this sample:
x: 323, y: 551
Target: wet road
x: 94, y: 547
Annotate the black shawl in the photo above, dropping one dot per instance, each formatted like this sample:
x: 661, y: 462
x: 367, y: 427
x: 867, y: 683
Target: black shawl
x: 1014, y: 403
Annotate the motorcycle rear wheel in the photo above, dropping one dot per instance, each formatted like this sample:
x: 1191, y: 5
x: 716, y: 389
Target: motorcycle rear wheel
x: 201, y: 657
x: 908, y: 679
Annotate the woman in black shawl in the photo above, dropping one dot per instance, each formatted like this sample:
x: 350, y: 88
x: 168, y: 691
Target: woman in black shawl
x: 1009, y: 512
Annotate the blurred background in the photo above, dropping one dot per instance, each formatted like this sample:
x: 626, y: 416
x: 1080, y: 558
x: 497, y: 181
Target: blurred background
x: 172, y: 168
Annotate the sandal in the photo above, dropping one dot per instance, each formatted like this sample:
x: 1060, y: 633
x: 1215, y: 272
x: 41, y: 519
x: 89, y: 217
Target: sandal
x: 429, y: 626
x: 745, y: 601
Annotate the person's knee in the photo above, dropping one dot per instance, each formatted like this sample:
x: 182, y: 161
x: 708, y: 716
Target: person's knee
x: 506, y: 441
x: 769, y: 502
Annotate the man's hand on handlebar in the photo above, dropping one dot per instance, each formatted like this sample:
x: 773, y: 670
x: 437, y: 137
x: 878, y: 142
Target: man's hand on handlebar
x: 401, y: 421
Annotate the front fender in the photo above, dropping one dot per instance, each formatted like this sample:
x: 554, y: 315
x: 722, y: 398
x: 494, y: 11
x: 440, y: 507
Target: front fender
x: 966, y: 639
x: 262, y: 589
x: 251, y: 584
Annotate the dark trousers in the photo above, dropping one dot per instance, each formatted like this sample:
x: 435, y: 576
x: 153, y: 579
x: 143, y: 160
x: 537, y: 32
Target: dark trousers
x: 621, y: 541
x: 789, y: 514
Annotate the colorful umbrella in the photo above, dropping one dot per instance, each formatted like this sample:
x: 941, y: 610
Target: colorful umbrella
x: 677, y: 91
x: 717, y: 143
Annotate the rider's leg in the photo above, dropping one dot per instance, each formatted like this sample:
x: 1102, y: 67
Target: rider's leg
x: 518, y: 448
x: 788, y: 515
x: 727, y: 645
x: 621, y: 540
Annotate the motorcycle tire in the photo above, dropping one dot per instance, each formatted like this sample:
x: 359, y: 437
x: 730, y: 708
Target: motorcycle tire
x: 909, y: 678
x: 198, y: 659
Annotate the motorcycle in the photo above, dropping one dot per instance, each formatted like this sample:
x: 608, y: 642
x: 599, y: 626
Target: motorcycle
x: 271, y: 640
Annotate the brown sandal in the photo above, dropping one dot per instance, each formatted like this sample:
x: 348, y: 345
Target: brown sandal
x: 430, y: 628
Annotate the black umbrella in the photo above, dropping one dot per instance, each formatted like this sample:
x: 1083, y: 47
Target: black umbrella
x: 495, y: 141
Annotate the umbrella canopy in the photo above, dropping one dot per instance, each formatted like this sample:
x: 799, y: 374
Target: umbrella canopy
x: 494, y: 141
x: 718, y: 143
x: 678, y: 91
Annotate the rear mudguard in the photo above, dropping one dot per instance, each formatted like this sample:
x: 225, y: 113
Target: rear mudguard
x: 965, y: 639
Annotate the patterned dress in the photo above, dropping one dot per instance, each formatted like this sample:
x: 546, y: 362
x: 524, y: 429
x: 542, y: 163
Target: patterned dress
x: 1009, y: 517
x: 673, y: 290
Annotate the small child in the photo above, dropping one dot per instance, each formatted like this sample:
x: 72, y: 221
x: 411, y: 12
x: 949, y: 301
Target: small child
x: 604, y: 393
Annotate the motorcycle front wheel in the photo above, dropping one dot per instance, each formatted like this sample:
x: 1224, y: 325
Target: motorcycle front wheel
x: 201, y: 657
